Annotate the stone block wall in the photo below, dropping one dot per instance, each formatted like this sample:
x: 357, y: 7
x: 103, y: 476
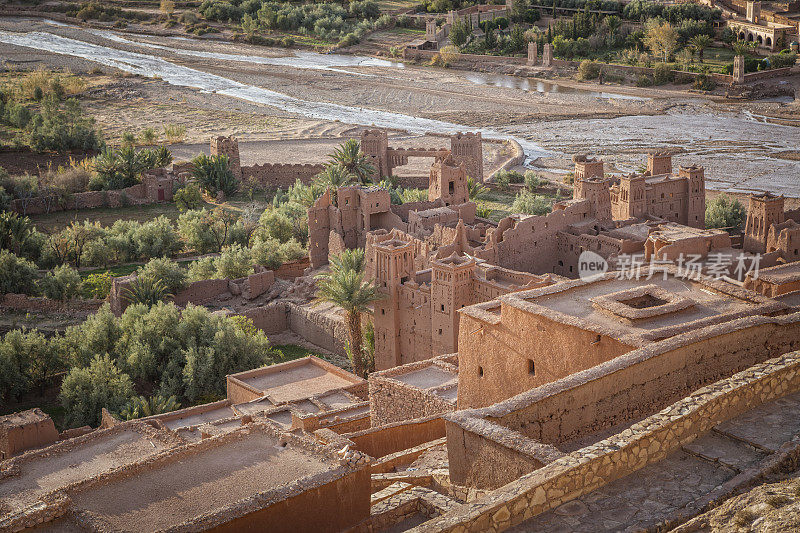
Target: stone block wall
x: 318, y: 328
x: 645, y: 442
x: 394, y: 401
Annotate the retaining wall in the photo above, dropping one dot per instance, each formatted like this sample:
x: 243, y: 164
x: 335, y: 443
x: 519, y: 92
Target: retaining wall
x: 383, y: 440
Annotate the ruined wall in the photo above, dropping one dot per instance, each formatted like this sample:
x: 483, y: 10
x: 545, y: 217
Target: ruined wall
x: 201, y: 291
x: 531, y: 245
x: 271, y: 319
x: 135, y: 195
x: 23, y: 302
x: 318, y: 328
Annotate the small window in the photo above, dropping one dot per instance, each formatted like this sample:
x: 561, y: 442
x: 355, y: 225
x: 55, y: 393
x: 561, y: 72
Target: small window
x: 531, y: 367
x: 443, y: 308
x: 480, y: 371
x: 383, y: 311
x: 440, y: 331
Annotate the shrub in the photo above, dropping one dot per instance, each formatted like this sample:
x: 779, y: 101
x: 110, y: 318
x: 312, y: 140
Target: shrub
x: 156, y: 238
x: 60, y: 128
x: 293, y: 250
x: 448, y: 55
x: 532, y: 181
x: 531, y: 204
x: 27, y: 360
x: 163, y: 269
x: 148, y: 136
x: 85, y: 391
x: 588, y: 70
x: 704, y: 82
x: 189, y: 197
x: 662, y: 73
x: 175, y: 133
x: 140, y: 407
x: 725, y: 212
x: 233, y: 262
x: 644, y: 81
x: 502, y: 179
x: 17, y: 275
x: 97, y: 285
x: 62, y: 283
x: 267, y: 252
x: 145, y: 290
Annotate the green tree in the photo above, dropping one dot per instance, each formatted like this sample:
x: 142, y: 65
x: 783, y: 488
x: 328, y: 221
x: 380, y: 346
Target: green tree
x: 531, y: 204
x: 346, y: 288
x: 334, y: 176
x: 30, y: 360
x: 350, y: 157
x: 85, y: 391
x: 460, y: 33
x: 17, y: 275
x: 189, y: 197
x: 725, y: 212
x: 170, y: 273
x: 699, y: 43
x: 61, y: 283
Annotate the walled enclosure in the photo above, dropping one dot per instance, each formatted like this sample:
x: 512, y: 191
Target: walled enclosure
x: 25, y: 430
x: 643, y: 443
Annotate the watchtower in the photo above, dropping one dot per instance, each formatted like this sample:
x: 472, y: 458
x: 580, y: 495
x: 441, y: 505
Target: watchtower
x: 228, y: 146
x: 448, y: 181
x: 394, y: 265
x: 696, y: 211
x: 467, y: 149
x: 451, y: 290
x: 763, y: 211
x: 596, y: 190
x: 659, y: 163
x: 586, y: 167
x: 375, y: 145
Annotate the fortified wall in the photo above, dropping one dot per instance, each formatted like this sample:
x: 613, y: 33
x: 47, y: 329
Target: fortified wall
x: 270, y: 175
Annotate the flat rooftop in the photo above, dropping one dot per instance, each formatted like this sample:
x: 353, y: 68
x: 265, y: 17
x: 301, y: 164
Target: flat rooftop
x: 781, y: 274
x: 296, y: 380
x: 191, y: 483
x: 76, y: 460
x: 634, y: 311
x: 428, y: 377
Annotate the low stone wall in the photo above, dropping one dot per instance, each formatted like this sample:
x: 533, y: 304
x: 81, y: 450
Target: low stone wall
x: 383, y: 440
x: 645, y: 442
x: 135, y: 195
x: 625, y: 388
x: 392, y: 400
x: 413, y: 53
x: 23, y: 302
x: 282, y: 175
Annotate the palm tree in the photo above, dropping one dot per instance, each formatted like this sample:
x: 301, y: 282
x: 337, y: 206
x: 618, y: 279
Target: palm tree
x: 345, y: 287
x: 335, y: 176
x: 353, y: 160
x: 145, y: 290
x: 140, y: 407
x: 740, y: 48
x: 349, y: 260
x: 14, y: 231
x: 476, y: 190
x: 613, y: 23
x: 700, y: 43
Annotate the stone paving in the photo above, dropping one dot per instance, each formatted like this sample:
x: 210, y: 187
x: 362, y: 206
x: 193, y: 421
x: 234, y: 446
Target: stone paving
x: 645, y: 498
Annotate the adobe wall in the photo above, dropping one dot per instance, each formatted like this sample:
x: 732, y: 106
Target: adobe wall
x: 593, y: 466
x: 292, y: 269
x: 392, y: 400
x: 25, y: 430
x: 493, y: 360
x: 271, y: 319
x: 201, y: 291
x: 383, y: 440
x: 333, y: 507
x: 259, y: 283
x: 531, y: 245
x: 135, y: 195
x: 624, y: 389
x: 318, y: 328
x: 281, y: 175
x: 23, y: 302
